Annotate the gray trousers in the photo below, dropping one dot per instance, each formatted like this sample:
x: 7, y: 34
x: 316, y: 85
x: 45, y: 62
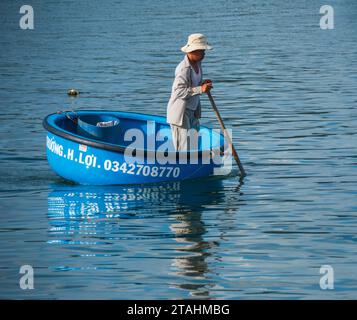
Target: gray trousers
x: 185, y: 137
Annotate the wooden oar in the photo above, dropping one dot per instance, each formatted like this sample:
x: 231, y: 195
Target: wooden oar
x: 223, y: 127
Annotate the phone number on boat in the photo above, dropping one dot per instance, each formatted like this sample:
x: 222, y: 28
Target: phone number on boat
x: 145, y: 170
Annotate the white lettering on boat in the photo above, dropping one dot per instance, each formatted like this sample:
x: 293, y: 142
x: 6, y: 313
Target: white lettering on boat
x: 89, y: 160
x: 54, y: 147
x: 140, y: 169
x: 70, y: 154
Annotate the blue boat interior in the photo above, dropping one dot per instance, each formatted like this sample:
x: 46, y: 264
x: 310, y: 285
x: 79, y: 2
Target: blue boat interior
x: 127, y: 129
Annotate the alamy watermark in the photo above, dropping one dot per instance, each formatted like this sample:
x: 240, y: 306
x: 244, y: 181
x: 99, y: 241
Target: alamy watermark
x: 327, y: 20
x: 205, y: 146
x: 27, y: 280
x: 27, y: 20
x: 327, y: 279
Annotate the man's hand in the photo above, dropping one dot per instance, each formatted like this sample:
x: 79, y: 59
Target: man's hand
x: 207, y: 85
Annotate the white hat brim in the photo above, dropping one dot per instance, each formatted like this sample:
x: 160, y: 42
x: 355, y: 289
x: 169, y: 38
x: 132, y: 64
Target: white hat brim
x: 191, y: 48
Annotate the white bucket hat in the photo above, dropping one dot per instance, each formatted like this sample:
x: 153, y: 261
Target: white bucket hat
x: 196, y: 41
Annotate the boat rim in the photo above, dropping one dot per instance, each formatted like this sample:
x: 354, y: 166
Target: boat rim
x: 108, y: 146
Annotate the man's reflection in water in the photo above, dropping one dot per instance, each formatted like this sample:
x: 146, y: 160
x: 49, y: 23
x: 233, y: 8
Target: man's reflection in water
x: 192, y: 251
x: 100, y: 210
x: 194, y: 244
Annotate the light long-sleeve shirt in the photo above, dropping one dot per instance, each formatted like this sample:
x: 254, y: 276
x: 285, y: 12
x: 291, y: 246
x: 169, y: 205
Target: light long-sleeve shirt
x: 184, y: 93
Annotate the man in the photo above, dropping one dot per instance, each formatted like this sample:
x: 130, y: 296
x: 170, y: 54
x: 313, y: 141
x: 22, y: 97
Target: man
x: 184, y: 107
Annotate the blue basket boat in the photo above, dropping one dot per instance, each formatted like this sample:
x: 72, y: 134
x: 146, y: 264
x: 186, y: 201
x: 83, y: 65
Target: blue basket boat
x: 116, y: 148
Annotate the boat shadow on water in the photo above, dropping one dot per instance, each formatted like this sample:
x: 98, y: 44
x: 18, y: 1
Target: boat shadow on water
x: 170, y: 211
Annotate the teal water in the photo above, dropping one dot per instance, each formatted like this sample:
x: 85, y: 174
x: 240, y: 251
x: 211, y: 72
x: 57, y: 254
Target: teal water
x: 287, y: 89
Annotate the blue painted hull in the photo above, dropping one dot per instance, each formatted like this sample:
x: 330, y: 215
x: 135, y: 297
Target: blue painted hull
x: 85, y: 162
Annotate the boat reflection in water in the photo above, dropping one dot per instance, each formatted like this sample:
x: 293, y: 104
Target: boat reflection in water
x: 149, y: 221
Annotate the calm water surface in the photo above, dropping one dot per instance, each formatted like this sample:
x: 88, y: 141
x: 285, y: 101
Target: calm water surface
x: 287, y: 89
